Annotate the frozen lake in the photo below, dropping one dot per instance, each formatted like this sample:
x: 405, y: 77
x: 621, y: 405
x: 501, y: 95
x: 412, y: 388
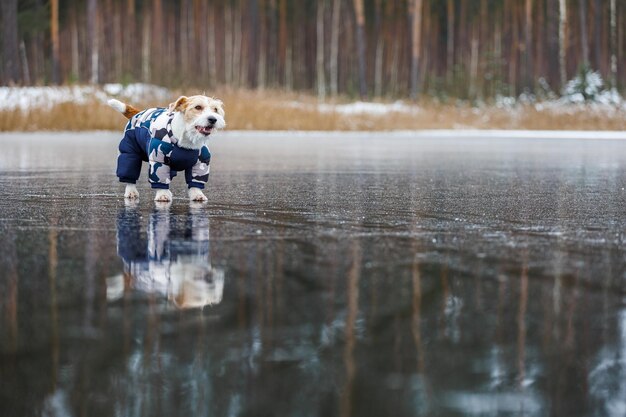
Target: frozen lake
x: 328, y: 275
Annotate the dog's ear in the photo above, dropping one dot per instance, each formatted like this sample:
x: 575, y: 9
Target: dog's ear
x: 179, y: 105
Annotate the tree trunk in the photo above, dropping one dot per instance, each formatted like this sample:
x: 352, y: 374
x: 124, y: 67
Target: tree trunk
x: 212, y: 45
x: 562, y: 42
x: 282, y: 39
x: 380, y: 45
x: 184, y: 34
x: 597, y: 29
x: 93, y: 30
x: 613, y: 43
x: 497, y: 54
x: 24, y: 61
x: 289, y: 68
x: 75, y: 75
x: 228, y: 44
x: 145, y: 44
x: 129, y: 43
x: 334, y: 49
x: 582, y: 9
x: 360, y: 42
x: 199, y: 23
x: 552, y: 49
x: 272, y: 40
x: 514, y: 52
x: 321, y: 79
x: 237, y: 41
x: 378, y: 67
x: 528, y: 43
x: 252, y: 55
x: 539, y: 44
x: 395, y: 58
x: 461, y: 51
x: 426, y: 50
x: 107, y: 57
x: 54, y: 37
x: 37, y: 49
x: 483, y: 33
x: 450, y: 43
x: 261, y: 76
x: 475, y: 47
x: 156, y: 35
x: 621, y: 48
x: 118, y: 48
x: 10, y: 43
x: 416, y: 32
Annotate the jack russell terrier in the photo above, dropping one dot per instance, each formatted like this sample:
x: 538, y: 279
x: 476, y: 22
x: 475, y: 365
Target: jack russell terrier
x: 170, y: 139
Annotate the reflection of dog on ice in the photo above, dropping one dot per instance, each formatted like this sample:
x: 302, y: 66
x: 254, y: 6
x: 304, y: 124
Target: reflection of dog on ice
x: 173, y: 262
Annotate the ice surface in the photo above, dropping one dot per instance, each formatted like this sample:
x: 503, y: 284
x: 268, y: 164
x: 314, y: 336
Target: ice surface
x: 357, y: 274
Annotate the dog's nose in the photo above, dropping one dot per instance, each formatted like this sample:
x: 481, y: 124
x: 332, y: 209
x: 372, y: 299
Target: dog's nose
x: 212, y: 120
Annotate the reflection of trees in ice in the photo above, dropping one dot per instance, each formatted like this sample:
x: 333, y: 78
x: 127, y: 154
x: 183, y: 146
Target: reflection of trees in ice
x: 205, y: 375
x: 174, y: 262
x: 607, y: 379
x: 56, y: 404
x: 495, y: 403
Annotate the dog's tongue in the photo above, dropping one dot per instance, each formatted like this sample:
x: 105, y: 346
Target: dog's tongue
x: 205, y: 130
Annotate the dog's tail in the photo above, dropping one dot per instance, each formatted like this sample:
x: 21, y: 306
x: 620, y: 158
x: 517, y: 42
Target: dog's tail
x: 126, y: 109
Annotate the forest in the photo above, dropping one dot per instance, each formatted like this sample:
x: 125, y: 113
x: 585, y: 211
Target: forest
x: 467, y: 49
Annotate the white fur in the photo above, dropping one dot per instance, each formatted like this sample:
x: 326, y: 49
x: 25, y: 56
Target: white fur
x: 196, y: 194
x: 131, y: 191
x: 188, y: 136
x: 117, y: 105
x: 178, y: 127
x: 163, y: 195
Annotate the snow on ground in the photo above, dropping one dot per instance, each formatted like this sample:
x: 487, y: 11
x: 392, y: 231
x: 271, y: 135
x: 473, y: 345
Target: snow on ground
x: 27, y: 98
x: 138, y: 90
x: 45, y: 97
x: 357, y: 107
x: 604, y: 102
x: 608, y: 103
x: 368, y: 107
x: 586, y: 92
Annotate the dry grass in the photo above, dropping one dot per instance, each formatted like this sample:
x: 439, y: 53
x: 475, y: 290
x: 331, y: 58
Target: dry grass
x: 272, y: 110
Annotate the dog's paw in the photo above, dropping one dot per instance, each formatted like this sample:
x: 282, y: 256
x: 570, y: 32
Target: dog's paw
x: 163, y: 196
x: 196, y: 194
x: 131, y: 192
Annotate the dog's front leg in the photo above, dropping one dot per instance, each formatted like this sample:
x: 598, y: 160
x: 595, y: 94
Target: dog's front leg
x: 131, y: 191
x: 163, y: 195
x: 196, y: 194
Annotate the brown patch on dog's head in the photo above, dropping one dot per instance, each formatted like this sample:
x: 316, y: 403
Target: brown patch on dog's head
x: 194, y: 106
x: 179, y: 105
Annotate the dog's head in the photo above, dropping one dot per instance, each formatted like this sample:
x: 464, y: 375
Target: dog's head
x: 201, y: 115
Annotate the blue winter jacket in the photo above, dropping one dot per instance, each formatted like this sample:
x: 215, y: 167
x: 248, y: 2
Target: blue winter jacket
x: 148, y: 137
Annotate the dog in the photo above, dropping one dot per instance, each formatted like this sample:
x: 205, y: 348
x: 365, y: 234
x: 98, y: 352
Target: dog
x: 170, y: 139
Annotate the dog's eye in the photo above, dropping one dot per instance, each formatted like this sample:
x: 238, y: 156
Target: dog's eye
x: 215, y: 109
x: 198, y: 107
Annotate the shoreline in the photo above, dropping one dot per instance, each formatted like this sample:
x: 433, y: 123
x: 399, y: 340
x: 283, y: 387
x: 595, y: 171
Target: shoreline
x: 85, y: 109
x: 469, y: 134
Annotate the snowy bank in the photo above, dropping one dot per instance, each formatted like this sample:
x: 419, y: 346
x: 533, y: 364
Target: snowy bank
x: 28, y: 98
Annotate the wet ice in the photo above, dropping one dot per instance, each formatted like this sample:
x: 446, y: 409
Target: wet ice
x: 401, y: 275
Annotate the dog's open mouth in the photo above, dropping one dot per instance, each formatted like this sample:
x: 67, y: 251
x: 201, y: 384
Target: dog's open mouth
x: 205, y: 130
